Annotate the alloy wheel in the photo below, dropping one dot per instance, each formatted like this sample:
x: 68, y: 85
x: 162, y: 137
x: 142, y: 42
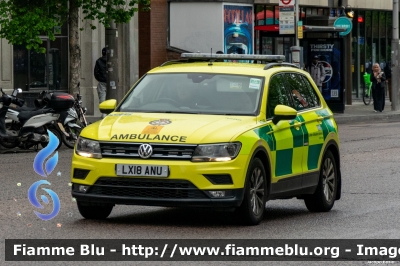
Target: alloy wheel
x: 329, y: 180
x: 257, y: 191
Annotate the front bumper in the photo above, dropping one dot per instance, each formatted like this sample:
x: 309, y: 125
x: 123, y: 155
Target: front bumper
x: 226, y: 202
x: 188, y: 183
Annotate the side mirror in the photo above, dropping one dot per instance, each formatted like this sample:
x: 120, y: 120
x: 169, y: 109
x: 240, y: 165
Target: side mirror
x: 283, y: 112
x: 108, y: 106
x: 15, y: 92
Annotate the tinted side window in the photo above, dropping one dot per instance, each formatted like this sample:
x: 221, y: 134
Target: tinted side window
x: 277, y: 94
x: 300, y: 92
x: 313, y: 95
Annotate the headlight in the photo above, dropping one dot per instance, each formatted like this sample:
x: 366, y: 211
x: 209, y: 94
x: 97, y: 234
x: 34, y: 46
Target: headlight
x: 216, y: 152
x: 72, y: 113
x: 88, y: 148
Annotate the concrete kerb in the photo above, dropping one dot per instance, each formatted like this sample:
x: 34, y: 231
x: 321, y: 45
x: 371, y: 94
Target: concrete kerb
x: 373, y: 118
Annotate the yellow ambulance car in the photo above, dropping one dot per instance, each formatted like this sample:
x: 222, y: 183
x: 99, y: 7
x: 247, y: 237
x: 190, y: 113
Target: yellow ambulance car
x: 211, y: 130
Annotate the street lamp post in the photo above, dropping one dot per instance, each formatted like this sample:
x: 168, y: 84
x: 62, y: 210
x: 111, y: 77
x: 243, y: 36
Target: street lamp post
x: 112, y: 61
x: 395, y: 56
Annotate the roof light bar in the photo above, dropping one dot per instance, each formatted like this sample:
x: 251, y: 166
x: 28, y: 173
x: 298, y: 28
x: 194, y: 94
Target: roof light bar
x: 275, y: 58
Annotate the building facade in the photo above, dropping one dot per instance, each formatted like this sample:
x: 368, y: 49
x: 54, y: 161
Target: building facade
x: 237, y: 26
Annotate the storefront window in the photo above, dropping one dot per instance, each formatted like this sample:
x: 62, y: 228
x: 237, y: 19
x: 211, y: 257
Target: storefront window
x: 33, y: 70
x: 259, y: 15
x: 375, y: 37
x: 267, y: 47
x: 266, y: 15
x: 382, y: 38
x: 368, y: 39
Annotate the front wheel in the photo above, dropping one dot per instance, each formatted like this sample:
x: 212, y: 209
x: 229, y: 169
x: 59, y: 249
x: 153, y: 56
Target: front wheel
x: 367, y: 95
x: 73, y: 136
x: 12, y: 132
x: 97, y: 212
x: 324, y: 196
x: 251, y: 211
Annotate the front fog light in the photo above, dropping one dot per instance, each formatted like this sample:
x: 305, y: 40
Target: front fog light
x: 83, y: 189
x: 217, y: 194
x: 80, y: 188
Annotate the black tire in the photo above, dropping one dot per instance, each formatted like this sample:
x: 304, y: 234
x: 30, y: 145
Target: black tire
x: 8, y: 144
x: 70, y: 141
x: 251, y: 211
x: 97, y: 212
x: 57, y: 134
x: 367, y: 96
x: 324, y: 196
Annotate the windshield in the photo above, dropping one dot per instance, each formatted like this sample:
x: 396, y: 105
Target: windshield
x: 195, y: 93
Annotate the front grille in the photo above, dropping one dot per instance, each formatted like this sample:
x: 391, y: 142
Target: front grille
x: 160, y: 151
x: 146, y: 188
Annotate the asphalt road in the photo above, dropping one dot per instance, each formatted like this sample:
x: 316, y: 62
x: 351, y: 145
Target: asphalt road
x: 369, y: 208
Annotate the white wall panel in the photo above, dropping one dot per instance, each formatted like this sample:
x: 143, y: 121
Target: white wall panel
x: 6, y: 61
x: 196, y: 26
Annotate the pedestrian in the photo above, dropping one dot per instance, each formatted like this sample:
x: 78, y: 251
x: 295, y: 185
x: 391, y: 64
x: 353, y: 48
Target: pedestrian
x: 388, y: 74
x: 317, y: 72
x: 378, y: 80
x: 100, y: 74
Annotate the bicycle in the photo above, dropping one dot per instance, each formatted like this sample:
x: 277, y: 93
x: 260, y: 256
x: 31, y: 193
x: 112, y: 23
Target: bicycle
x: 367, y: 93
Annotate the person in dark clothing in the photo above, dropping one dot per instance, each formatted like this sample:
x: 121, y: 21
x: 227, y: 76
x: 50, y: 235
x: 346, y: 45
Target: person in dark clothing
x: 388, y: 74
x: 378, y: 80
x: 100, y: 74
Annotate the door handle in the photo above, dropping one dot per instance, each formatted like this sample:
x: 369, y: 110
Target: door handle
x: 297, y: 125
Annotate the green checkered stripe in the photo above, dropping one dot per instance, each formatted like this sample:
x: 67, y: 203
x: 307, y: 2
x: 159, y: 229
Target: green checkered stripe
x: 287, y: 150
x: 317, y: 139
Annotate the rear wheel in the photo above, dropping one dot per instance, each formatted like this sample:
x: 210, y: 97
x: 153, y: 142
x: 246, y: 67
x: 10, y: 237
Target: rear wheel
x: 57, y: 134
x: 92, y: 211
x: 367, y: 95
x: 251, y: 211
x: 324, y: 197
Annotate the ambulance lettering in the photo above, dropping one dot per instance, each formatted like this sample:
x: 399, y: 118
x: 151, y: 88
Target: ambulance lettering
x: 172, y: 138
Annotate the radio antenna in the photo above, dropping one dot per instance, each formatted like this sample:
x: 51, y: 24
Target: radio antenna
x: 211, y: 61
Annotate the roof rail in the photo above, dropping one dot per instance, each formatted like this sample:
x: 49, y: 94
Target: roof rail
x: 271, y: 65
x: 171, y: 62
x: 208, y: 56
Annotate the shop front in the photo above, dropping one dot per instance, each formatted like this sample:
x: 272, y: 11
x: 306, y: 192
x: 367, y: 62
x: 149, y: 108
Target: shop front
x: 35, y: 72
x: 321, y: 40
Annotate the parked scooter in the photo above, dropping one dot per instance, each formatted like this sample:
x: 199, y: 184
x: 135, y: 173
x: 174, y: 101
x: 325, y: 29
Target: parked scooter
x: 29, y: 127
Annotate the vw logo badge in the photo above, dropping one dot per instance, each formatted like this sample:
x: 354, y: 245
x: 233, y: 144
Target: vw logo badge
x: 145, y: 151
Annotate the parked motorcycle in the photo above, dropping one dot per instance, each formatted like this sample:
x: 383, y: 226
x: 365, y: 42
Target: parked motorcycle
x: 80, y: 110
x: 29, y: 126
x: 75, y: 121
x: 71, y: 121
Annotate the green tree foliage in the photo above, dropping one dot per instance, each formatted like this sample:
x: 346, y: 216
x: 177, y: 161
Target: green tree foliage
x: 23, y: 21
